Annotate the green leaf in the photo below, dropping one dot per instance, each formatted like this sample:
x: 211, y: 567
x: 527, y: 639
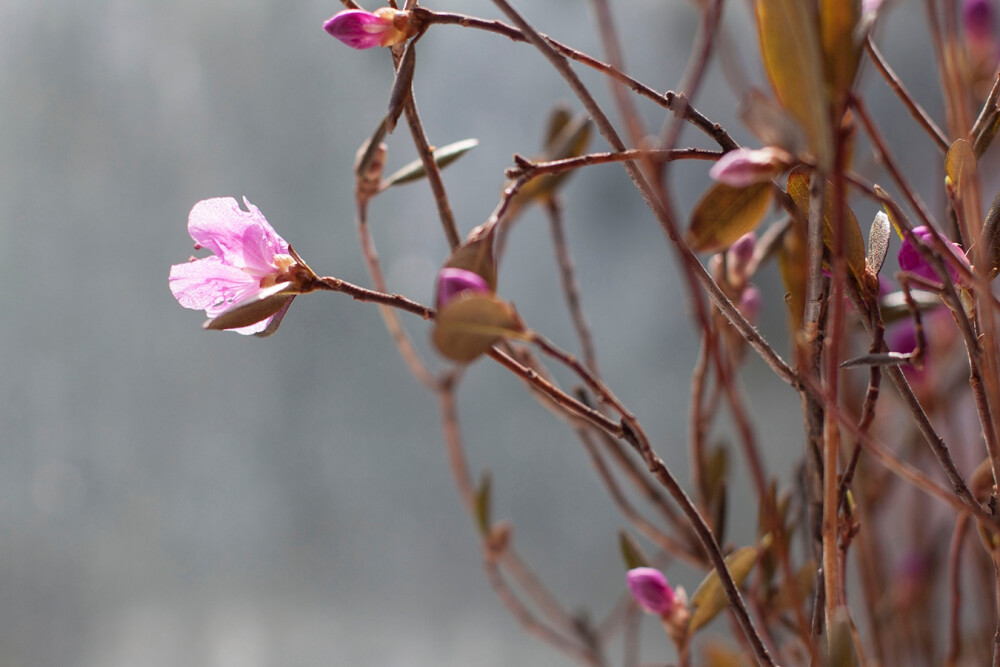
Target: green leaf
x: 442, y: 157
x: 484, y: 502
x: 471, y: 323
x: 631, y: 551
x: 792, y: 55
x: 725, y: 213
x: 710, y: 598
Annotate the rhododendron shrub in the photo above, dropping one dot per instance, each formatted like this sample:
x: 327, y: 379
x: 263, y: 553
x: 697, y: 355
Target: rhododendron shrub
x: 895, y: 369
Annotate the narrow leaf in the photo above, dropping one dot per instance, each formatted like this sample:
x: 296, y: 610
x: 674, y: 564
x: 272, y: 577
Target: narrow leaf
x: 770, y: 123
x: 559, y: 117
x: 725, y: 213
x: 484, y: 503
x: 250, y: 311
x: 710, y: 598
x: 841, y: 49
x: 991, y: 234
x: 878, y: 242
x: 715, y: 654
x: 476, y: 255
x: 632, y: 553
x: 273, y: 325
x: 471, y: 323
x: 792, y: 263
x: 960, y: 164
x: 854, y: 243
x: 570, y: 141
x: 790, y: 49
x: 442, y: 157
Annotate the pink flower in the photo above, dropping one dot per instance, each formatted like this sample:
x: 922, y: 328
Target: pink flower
x: 743, y: 167
x: 364, y: 30
x: 650, y: 589
x: 911, y: 261
x: 452, y: 282
x: 249, y: 261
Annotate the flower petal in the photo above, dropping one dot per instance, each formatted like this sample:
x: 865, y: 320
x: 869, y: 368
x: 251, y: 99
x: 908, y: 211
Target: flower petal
x: 650, y: 589
x: 209, y: 284
x: 357, y: 28
x: 239, y: 238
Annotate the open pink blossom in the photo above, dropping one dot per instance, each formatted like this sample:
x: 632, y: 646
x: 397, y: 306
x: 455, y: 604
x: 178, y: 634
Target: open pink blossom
x: 651, y: 590
x: 248, y: 258
x: 912, y: 261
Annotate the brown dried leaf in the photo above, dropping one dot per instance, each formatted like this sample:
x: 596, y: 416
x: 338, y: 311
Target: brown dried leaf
x: 838, y: 20
x: 476, y: 255
x: 471, y: 323
x: 793, y: 58
x: 250, y: 311
x: 991, y: 234
x: 710, y: 598
x: 854, y: 243
x: 960, y: 164
x: 725, y: 213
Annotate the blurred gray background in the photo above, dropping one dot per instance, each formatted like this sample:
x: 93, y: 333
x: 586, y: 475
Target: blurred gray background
x: 175, y: 497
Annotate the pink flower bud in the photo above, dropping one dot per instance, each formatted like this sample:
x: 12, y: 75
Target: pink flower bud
x: 739, y: 256
x: 452, y: 282
x: 749, y: 304
x: 977, y: 19
x: 911, y: 261
x: 364, y: 30
x: 650, y: 589
x: 744, y: 166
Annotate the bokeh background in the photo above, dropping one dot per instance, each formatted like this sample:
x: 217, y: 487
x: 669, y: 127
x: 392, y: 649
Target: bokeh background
x: 175, y: 497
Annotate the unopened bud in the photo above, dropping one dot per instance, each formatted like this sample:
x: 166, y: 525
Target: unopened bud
x: 452, y: 282
x: 744, y: 166
x: 650, y: 589
x: 364, y: 30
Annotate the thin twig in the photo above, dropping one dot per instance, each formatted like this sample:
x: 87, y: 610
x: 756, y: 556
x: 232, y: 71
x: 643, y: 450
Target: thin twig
x: 331, y: 284
x: 641, y: 524
x: 571, y: 288
x: 917, y: 111
x: 531, y: 169
x: 426, y: 153
x: 954, y: 585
